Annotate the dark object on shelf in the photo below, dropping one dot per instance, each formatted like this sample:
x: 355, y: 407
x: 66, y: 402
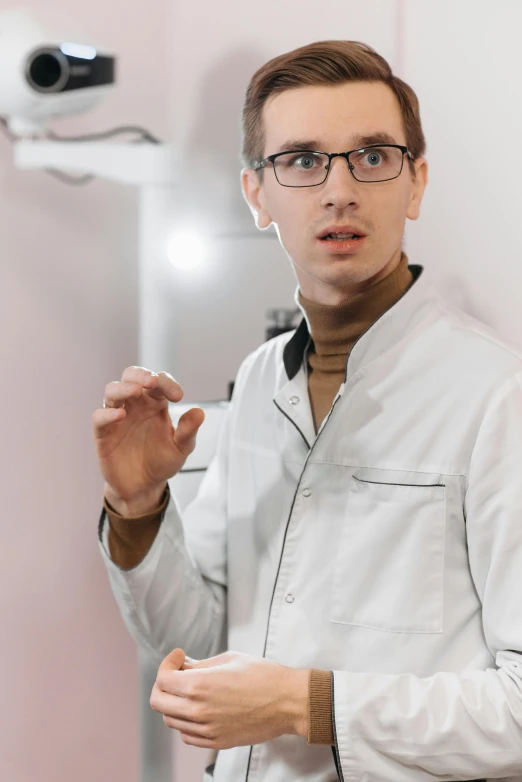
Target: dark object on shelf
x: 282, y: 321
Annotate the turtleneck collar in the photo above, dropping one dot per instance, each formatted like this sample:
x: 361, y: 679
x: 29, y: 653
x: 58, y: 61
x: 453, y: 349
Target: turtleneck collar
x: 335, y: 328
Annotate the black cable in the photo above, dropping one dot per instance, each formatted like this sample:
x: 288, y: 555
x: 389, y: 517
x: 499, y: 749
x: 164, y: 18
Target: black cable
x: 144, y: 134
x: 83, y: 179
x: 69, y: 179
x: 4, y: 127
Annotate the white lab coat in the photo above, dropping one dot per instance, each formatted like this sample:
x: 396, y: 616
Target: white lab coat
x: 386, y: 548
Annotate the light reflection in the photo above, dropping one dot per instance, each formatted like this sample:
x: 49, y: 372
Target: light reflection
x: 186, y: 250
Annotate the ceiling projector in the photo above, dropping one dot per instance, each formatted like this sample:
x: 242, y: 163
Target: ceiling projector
x: 48, y: 68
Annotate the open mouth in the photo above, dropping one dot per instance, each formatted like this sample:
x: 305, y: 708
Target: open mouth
x: 340, y: 237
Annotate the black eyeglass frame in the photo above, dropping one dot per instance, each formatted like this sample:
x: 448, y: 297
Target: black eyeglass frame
x: 346, y: 155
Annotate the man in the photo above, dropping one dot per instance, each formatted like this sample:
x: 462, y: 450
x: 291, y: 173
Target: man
x: 356, y: 542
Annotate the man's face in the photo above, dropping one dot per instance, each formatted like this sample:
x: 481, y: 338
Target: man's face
x: 335, y: 119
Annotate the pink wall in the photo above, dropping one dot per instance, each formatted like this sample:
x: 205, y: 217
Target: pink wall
x: 68, y: 325
x: 68, y: 300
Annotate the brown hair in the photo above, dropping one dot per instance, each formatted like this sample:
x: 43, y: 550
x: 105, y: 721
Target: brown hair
x: 324, y: 62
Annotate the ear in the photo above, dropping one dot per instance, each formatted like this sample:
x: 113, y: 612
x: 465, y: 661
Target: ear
x: 419, y: 185
x: 254, y: 195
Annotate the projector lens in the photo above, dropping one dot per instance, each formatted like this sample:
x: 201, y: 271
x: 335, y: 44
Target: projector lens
x: 45, y: 72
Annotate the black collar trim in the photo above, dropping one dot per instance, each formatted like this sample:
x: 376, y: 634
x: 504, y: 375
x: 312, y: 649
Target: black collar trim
x: 295, y: 347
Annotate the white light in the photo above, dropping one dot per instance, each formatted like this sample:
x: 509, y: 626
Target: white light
x: 186, y: 250
x: 78, y: 50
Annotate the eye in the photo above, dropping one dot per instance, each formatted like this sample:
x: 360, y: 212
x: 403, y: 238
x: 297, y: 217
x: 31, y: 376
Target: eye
x: 374, y: 158
x: 305, y: 161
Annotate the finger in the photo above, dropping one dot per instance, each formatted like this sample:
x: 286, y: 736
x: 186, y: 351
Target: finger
x: 159, y: 385
x: 187, y: 429
x: 190, y: 662
x: 173, y: 661
x: 190, y: 728
x: 175, y: 706
x: 196, y: 741
x: 184, y: 683
x: 136, y: 374
x: 105, y: 417
x: 210, y: 662
x: 166, y: 387
x: 118, y: 392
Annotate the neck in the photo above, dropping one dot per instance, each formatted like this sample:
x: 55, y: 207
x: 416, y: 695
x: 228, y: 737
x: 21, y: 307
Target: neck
x: 320, y: 292
x: 334, y: 328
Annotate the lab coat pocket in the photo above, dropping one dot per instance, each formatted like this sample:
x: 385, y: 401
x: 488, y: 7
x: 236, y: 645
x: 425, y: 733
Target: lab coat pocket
x: 389, y: 568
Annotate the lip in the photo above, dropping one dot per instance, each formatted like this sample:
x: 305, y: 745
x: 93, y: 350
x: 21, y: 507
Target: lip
x: 340, y: 229
x: 342, y: 247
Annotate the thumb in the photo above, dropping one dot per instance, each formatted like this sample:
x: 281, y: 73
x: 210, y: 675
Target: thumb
x: 173, y: 661
x: 187, y: 429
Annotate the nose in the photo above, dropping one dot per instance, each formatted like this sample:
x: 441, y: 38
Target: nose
x: 340, y: 189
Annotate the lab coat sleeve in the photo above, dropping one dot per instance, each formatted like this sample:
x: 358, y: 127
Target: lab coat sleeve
x: 176, y: 596
x: 456, y: 726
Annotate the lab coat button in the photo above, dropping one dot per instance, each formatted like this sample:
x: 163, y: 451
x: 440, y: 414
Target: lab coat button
x: 306, y: 492
x: 294, y: 400
x: 289, y: 598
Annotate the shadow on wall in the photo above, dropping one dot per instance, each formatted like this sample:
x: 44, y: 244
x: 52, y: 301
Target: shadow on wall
x: 210, y: 171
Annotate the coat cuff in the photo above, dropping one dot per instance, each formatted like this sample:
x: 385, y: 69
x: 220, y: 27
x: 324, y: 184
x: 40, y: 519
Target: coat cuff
x: 130, y: 537
x: 320, y: 728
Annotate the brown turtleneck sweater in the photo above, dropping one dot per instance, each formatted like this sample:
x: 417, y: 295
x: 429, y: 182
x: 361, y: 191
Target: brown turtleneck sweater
x: 334, y: 330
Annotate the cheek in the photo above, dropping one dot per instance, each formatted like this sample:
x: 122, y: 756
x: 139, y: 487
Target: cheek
x: 390, y: 211
x: 293, y: 214
x: 293, y: 237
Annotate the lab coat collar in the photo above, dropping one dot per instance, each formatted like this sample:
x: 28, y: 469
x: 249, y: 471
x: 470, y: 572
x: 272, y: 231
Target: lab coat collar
x: 386, y: 331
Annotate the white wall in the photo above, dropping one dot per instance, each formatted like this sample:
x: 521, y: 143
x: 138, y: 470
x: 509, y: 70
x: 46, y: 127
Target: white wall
x: 464, y: 60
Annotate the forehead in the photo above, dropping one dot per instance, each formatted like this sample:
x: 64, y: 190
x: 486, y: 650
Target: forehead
x: 331, y: 113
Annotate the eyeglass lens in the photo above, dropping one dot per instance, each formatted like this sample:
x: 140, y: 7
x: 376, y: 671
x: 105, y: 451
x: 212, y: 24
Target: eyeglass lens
x: 301, y: 169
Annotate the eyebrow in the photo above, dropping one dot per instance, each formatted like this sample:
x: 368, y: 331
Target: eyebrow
x: 357, y: 141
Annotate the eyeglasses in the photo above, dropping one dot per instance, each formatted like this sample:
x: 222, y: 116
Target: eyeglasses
x: 307, y: 168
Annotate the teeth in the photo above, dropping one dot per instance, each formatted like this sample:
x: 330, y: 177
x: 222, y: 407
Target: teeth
x: 341, y: 236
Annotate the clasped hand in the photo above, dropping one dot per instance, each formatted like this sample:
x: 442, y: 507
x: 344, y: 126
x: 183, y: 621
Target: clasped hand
x: 230, y: 700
